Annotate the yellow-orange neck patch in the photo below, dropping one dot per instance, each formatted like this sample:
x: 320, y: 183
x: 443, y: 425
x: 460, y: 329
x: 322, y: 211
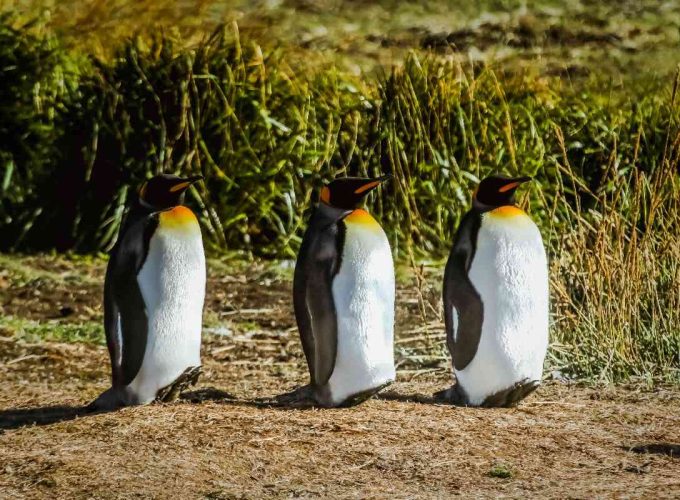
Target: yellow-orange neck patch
x: 360, y: 216
x: 178, y: 217
x: 507, y: 211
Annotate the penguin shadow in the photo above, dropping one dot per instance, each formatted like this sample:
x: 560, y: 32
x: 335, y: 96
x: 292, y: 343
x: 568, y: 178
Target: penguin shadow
x: 291, y: 400
x: 285, y: 401
x: 666, y: 449
x: 16, y: 418
x: 212, y: 394
x: 393, y: 395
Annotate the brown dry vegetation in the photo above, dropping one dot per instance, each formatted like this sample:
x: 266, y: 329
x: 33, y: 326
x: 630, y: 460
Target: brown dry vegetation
x: 219, y: 441
x: 568, y: 38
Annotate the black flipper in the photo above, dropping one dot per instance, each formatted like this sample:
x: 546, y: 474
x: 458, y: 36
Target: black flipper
x: 318, y: 262
x: 125, y: 320
x: 461, y: 294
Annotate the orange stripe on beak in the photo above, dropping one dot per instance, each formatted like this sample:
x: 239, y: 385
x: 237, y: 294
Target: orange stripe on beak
x: 508, y: 187
x: 366, y: 187
x: 179, y: 187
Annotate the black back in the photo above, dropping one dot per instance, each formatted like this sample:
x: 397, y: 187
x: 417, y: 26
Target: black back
x: 318, y: 262
x: 125, y: 320
x: 460, y: 293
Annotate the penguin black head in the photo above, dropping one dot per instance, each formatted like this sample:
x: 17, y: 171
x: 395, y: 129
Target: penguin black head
x: 497, y: 191
x: 165, y: 190
x: 347, y: 192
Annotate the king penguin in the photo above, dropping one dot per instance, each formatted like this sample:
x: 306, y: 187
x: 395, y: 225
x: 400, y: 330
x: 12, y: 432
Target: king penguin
x: 496, y: 300
x: 153, y: 297
x: 343, y: 292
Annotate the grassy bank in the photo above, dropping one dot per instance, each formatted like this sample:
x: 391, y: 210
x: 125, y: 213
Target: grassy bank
x: 266, y: 130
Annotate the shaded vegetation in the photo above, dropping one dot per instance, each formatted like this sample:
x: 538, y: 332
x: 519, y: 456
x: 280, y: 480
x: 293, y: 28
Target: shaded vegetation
x: 266, y: 130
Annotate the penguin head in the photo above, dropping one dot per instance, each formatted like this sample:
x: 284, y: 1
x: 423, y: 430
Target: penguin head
x: 347, y: 192
x: 165, y: 190
x: 497, y: 191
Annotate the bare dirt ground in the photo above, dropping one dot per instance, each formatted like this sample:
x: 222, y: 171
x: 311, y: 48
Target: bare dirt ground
x: 566, y: 440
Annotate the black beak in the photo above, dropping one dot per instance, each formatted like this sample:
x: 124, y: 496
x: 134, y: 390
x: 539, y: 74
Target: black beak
x: 193, y: 179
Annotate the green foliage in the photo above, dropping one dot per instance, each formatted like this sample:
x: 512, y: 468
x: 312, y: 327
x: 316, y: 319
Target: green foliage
x: 53, y: 330
x: 265, y: 132
x: 32, y: 88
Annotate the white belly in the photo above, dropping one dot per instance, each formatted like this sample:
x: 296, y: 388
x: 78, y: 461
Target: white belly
x: 172, y: 282
x: 510, y: 273
x: 363, y: 292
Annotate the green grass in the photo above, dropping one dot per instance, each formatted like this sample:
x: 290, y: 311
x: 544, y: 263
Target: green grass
x: 32, y: 331
x: 23, y: 273
x: 501, y: 471
x: 266, y: 128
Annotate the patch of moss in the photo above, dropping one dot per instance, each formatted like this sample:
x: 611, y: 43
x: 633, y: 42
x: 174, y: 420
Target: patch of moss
x: 501, y: 471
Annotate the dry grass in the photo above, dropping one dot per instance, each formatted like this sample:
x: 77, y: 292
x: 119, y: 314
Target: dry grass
x: 553, y: 36
x: 563, y: 439
x: 614, y: 273
x: 220, y: 443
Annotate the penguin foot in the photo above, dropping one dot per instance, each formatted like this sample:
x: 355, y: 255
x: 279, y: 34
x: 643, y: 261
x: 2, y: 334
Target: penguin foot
x: 108, y: 400
x: 454, y: 395
x: 510, y: 397
x: 188, y: 378
x: 307, y: 396
x: 302, y: 397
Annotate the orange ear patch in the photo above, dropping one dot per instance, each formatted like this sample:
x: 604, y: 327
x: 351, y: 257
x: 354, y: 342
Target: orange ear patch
x: 325, y: 195
x: 508, y: 187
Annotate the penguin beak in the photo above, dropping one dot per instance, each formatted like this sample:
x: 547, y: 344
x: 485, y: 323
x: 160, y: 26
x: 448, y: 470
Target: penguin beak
x: 183, y: 184
x: 513, y: 183
x: 371, y: 184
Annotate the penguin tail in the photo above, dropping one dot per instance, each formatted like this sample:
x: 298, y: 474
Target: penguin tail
x: 513, y: 395
x: 188, y: 378
x: 362, y: 396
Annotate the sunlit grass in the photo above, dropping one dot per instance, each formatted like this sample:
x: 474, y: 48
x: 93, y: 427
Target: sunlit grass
x: 266, y: 131
x: 33, y: 331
